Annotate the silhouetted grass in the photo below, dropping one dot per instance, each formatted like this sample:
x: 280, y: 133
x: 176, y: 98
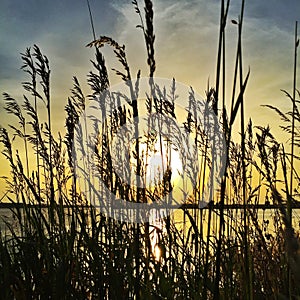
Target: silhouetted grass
x: 58, y: 245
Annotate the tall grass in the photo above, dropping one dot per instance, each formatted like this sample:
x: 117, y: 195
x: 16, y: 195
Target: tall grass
x: 58, y: 245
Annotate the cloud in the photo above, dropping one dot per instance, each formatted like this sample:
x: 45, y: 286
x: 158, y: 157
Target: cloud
x: 62, y: 28
x: 186, y: 38
x: 185, y: 47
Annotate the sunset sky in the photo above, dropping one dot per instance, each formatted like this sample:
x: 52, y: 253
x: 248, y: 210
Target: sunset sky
x: 186, y: 45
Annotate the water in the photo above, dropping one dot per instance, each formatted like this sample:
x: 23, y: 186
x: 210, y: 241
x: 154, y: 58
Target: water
x: 7, y: 216
x: 266, y: 218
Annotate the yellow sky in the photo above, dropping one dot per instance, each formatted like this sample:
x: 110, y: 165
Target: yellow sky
x: 186, y: 47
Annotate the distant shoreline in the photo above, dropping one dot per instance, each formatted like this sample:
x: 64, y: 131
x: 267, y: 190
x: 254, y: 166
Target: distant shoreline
x: 295, y: 205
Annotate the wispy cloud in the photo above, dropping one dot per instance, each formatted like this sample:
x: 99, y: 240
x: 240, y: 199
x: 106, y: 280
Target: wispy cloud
x: 186, y: 44
x: 186, y: 41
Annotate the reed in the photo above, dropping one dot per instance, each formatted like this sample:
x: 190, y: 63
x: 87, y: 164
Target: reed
x: 57, y: 244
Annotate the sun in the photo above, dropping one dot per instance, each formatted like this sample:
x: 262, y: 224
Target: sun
x: 158, y: 159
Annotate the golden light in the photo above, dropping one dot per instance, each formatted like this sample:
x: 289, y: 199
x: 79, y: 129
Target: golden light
x: 157, y: 161
x: 157, y: 252
x: 157, y: 225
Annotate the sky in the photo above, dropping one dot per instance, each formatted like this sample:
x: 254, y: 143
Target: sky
x: 185, y: 47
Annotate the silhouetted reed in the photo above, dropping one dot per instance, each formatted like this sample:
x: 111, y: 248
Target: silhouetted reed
x: 60, y: 245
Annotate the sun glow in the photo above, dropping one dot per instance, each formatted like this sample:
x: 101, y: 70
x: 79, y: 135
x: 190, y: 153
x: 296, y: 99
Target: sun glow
x: 158, y: 160
x: 157, y: 252
x: 157, y: 228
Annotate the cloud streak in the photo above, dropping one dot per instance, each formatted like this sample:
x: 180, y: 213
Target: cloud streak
x: 186, y: 41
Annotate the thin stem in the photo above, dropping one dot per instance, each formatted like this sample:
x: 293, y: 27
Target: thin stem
x: 289, y: 200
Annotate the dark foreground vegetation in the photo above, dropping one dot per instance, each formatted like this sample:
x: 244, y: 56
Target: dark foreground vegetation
x: 59, y: 246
